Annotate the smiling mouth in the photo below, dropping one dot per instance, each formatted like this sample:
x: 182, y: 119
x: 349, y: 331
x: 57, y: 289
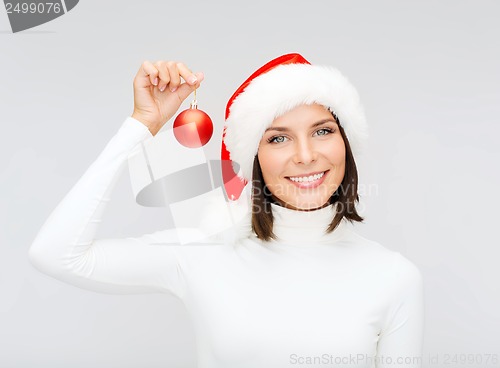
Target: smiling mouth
x: 307, y: 178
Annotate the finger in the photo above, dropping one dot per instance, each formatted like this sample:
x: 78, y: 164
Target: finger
x: 175, y: 78
x: 164, y: 75
x: 200, y: 77
x: 146, y: 75
x: 187, y: 74
x: 185, y: 89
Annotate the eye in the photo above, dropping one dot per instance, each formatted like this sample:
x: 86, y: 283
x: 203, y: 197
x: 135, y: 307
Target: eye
x: 324, y: 131
x: 276, y: 139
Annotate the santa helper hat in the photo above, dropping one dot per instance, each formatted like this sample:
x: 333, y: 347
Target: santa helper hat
x: 274, y: 89
x: 271, y: 91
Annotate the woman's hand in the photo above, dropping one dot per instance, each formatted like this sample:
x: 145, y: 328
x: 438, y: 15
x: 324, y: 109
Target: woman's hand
x: 158, y: 91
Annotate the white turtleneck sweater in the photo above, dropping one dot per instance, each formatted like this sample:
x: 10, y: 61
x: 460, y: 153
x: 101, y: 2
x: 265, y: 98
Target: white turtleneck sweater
x: 307, y: 299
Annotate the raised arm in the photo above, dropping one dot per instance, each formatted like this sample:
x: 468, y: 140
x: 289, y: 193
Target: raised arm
x: 65, y: 247
x: 400, y: 342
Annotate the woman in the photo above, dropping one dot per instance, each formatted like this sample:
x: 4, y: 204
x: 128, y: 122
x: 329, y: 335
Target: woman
x: 302, y: 287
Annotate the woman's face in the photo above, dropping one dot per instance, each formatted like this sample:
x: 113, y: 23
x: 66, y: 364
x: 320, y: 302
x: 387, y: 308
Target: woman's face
x: 302, y: 157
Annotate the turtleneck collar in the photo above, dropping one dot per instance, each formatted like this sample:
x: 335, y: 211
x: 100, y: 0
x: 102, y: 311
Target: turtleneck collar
x: 305, y: 228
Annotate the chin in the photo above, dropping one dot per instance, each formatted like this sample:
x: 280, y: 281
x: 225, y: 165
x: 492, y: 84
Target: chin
x: 303, y: 199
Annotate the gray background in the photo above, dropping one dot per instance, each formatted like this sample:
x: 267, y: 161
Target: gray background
x: 427, y: 73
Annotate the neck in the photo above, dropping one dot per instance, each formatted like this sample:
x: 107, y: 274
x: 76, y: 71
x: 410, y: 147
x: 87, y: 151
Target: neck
x: 278, y: 202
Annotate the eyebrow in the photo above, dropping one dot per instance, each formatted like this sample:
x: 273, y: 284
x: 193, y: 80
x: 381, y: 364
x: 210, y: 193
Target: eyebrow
x: 318, y: 123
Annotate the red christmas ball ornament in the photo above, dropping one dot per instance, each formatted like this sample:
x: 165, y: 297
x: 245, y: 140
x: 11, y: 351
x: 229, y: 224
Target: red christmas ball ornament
x: 193, y: 128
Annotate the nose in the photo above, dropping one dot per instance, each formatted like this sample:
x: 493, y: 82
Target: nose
x: 305, y: 152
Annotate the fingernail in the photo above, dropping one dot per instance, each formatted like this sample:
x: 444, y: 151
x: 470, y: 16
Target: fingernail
x: 173, y: 89
x: 193, y: 80
x: 155, y: 82
x: 162, y: 88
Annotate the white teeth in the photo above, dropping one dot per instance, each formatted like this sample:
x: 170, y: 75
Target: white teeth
x: 307, y: 178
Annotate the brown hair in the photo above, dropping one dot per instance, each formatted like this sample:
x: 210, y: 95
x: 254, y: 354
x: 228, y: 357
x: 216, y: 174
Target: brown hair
x: 345, y: 196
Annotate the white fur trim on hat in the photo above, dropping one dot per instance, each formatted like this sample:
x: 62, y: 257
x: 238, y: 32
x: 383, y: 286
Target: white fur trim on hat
x: 280, y: 90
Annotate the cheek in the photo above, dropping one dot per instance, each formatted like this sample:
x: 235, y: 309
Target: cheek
x: 269, y: 164
x: 336, y: 153
x: 338, y: 160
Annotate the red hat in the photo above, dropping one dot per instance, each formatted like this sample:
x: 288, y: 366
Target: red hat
x: 274, y: 89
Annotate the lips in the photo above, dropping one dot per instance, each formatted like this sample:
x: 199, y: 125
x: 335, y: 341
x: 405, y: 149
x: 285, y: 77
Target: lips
x: 308, y: 184
x: 305, y: 175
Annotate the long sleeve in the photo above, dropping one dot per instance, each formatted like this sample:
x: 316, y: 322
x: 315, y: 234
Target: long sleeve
x: 400, y: 341
x: 65, y: 248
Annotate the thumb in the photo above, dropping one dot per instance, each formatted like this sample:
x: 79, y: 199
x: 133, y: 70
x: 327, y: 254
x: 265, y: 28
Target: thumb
x: 185, y: 89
